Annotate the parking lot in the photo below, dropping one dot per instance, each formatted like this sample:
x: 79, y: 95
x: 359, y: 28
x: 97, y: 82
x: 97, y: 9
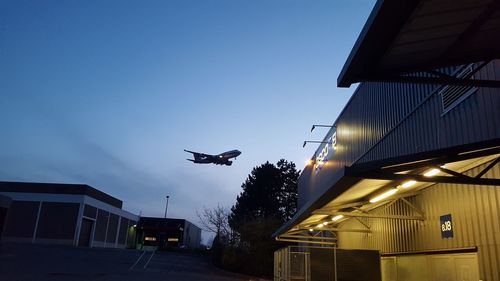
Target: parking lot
x: 27, y: 262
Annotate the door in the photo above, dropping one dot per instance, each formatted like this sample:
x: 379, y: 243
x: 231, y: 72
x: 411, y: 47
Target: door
x: 441, y: 268
x: 388, y: 269
x: 85, y: 233
x: 438, y: 267
x: 462, y: 267
x: 466, y: 267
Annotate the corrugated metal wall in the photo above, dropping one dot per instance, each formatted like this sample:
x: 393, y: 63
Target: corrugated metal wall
x: 385, y: 120
x: 373, y: 110
x: 475, y: 119
x: 475, y: 214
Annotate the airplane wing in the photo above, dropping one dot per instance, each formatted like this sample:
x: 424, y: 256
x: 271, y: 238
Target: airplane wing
x: 198, y: 154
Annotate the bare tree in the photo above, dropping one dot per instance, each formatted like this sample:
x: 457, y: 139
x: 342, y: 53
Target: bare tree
x: 215, y: 220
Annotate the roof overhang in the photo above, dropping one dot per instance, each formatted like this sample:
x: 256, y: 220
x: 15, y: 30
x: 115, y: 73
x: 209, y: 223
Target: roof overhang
x: 351, y: 196
x: 5, y: 201
x: 408, y: 36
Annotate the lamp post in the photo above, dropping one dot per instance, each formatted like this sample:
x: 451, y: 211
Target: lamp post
x: 166, y: 207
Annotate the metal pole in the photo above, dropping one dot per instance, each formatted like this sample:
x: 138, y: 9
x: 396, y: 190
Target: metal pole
x: 335, y: 261
x: 166, y: 207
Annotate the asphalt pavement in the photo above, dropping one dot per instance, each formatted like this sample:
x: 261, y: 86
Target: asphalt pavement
x: 28, y: 262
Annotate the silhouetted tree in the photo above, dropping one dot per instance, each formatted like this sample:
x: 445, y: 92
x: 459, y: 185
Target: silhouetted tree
x: 288, y: 192
x: 268, y: 199
x: 268, y: 192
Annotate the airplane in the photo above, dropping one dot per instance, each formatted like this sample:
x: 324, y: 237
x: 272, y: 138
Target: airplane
x: 219, y: 159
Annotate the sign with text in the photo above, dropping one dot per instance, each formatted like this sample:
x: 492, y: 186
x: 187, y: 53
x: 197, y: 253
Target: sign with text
x: 446, y: 226
x: 326, y: 151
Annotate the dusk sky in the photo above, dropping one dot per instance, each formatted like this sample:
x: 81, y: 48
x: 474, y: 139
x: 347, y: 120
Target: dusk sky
x: 109, y: 93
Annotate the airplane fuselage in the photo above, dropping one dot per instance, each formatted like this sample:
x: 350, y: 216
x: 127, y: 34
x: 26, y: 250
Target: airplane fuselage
x: 219, y: 159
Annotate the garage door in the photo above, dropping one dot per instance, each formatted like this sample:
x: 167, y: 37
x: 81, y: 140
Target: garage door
x: 463, y: 267
x: 443, y: 267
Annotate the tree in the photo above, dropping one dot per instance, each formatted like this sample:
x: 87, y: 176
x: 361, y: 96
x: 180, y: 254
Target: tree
x: 215, y: 220
x: 288, y: 192
x: 268, y: 192
x: 268, y: 199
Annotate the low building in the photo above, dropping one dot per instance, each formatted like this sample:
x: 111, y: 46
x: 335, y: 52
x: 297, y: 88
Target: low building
x: 168, y: 233
x: 4, y: 206
x: 70, y: 214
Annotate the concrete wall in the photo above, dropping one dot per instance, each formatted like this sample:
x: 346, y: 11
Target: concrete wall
x: 192, y: 235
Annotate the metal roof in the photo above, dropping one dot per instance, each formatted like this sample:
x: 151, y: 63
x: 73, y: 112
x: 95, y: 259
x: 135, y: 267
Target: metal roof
x: 60, y: 188
x: 408, y: 36
x: 5, y: 201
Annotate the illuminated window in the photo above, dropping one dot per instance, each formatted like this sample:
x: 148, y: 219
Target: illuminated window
x: 149, y: 238
x: 173, y: 240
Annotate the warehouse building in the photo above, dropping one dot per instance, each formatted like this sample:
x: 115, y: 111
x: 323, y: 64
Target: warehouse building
x: 69, y: 214
x: 4, y: 206
x: 164, y: 233
x: 410, y: 166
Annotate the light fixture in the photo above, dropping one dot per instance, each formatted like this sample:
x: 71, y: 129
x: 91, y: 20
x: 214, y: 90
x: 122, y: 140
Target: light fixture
x: 309, y: 162
x: 325, y: 223
x: 432, y: 172
x: 320, y: 225
x: 311, y: 230
x: 337, y: 217
x: 316, y: 125
x: 408, y: 183
x: 383, y: 195
x: 312, y: 141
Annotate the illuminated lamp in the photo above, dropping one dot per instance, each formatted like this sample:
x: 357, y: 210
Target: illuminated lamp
x: 409, y: 183
x: 383, y: 195
x: 309, y: 162
x: 338, y: 217
x: 432, y: 172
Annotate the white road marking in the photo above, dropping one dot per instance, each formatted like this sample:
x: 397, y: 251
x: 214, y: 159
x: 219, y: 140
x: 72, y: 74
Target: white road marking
x: 146, y: 265
x: 135, y: 263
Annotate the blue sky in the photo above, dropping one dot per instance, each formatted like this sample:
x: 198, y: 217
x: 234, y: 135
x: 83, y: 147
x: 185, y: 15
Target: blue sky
x: 109, y: 93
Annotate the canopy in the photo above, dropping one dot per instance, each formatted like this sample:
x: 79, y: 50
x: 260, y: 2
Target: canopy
x: 409, y: 36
